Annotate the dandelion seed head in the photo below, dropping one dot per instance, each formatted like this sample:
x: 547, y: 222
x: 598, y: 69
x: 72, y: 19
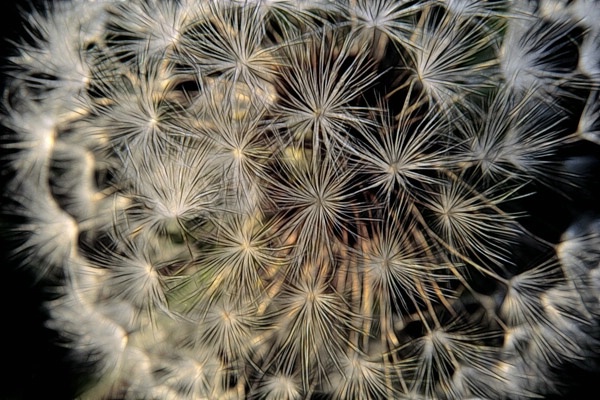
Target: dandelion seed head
x: 315, y: 199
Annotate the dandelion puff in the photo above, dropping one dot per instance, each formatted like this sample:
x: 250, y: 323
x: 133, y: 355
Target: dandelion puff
x: 319, y: 84
x: 547, y: 349
x: 277, y: 231
x: 173, y: 195
x: 134, y: 276
x: 444, y: 350
x: 279, y: 387
x: 450, y: 60
x: 524, y: 381
x: 475, y: 384
x: 566, y: 313
x: 238, y: 259
x: 535, y: 55
x: 134, y: 377
x: 470, y: 222
x: 238, y: 130
x: 230, y: 42
x: 53, y: 60
x: 147, y: 28
x: 189, y: 374
x: 533, y: 154
x: 169, y: 364
x: 96, y: 342
x: 521, y: 304
x: 400, y: 272
x: 317, y: 202
x: 132, y: 108
x: 381, y: 21
x: 484, y: 147
x: 401, y: 154
x: 46, y: 237
x: 361, y: 378
x: 313, y: 323
x: 30, y: 147
x: 230, y: 329
x: 516, y: 139
x: 589, y: 123
x: 535, y: 333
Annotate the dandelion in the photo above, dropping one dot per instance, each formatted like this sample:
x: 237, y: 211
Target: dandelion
x: 314, y: 323
x: 459, y: 220
x: 321, y: 203
x: 382, y: 21
x: 589, y: 124
x: 362, y: 378
x: 317, y: 90
x: 240, y: 259
x: 45, y: 240
x: 443, y: 50
x: 401, y: 154
x: 52, y: 65
x: 141, y: 31
x: 439, y: 354
x: 135, y: 277
x: 231, y: 43
x: 536, y: 54
x: 138, y: 118
x: 274, y: 199
x: 237, y: 130
x: 522, y: 303
x: 401, y: 273
x: 279, y: 387
x: 173, y: 195
x: 505, y: 145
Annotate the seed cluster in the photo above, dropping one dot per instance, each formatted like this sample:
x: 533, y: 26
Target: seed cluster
x: 271, y: 199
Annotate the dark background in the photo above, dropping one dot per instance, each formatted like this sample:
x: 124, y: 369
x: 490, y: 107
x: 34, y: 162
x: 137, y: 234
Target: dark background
x: 33, y: 368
